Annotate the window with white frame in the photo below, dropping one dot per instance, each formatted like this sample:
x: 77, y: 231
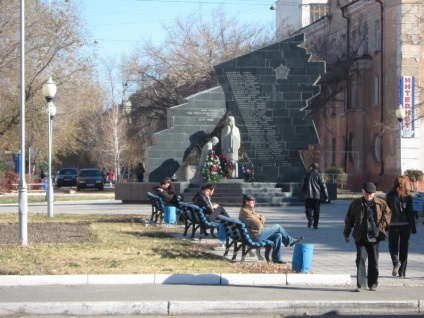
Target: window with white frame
x: 377, y: 36
x: 317, y: 11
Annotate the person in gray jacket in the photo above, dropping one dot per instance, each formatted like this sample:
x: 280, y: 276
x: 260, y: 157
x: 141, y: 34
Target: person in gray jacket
x: 313, y: 186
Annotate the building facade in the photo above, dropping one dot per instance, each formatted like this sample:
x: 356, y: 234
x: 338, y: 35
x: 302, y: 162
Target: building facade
x: 374, y: 51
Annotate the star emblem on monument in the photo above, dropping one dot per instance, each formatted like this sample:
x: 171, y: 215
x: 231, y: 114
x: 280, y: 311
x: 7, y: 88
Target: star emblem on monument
x: 281, y: 72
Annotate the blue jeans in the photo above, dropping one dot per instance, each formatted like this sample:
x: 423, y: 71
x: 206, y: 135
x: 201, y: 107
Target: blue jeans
x: 277, y: 235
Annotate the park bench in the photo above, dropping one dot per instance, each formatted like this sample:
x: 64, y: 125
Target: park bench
x: 194, y: 217
x: 236, y: 235
x: 418, y: 203
x: 157, y: 207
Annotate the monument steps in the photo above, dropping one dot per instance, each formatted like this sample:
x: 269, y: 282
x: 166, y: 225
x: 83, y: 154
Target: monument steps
x: 230, y: 193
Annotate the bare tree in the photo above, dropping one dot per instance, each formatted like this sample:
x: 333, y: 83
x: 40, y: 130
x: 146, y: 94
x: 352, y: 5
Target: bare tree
x: 183, y: 65
x: 53, y: 43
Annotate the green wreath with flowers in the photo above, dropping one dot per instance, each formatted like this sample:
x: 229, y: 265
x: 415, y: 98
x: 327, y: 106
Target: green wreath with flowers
x: 226, y: 167
x: 248, y: 169
x: 212, y: 171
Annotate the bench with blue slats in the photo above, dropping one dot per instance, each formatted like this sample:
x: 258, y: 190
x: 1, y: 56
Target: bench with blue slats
x: 238, y: 236
x: 194, y: 217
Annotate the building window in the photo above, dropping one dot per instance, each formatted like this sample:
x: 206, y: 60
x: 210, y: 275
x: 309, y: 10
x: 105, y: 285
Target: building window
x: 333, y: 150
x: 344, y: 100
x: 377, y: 91
x: 333, y: 50
x: 344, y: 47
x: 317, y: 11
x: 377, y: 36
x: 355, y: 44
x: 365, y: 38
x: 352, y: 92
x: 351, y: 147
x: 377, y: 148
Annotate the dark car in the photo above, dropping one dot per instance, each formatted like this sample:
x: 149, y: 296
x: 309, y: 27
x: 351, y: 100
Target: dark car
x: 66, y: 177
x: 90, y: 178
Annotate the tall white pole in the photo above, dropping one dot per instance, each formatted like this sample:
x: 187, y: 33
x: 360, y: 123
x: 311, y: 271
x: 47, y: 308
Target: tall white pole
x: 49, y: 179
x: 23, y: 198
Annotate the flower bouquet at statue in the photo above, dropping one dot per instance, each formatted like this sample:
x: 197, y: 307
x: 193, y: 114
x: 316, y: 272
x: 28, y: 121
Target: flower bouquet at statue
x: 248, y: 171
x: 226, y: 167
x: 212, y: 171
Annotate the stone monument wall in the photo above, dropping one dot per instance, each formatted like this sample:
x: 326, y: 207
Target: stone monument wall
x: 187, y: 124
x: 266, y: 91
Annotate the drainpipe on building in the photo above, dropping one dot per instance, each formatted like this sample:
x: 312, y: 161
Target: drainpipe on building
x: 382, y: 81
x: 347, y: 90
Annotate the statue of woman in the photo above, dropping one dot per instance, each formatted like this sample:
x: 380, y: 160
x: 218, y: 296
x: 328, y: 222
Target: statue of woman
x: 230, y: 143
x: 205, y: 151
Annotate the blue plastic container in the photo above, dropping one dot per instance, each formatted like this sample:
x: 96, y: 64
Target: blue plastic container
x: 221, y: 232
x: 170, y: 214
x: 302, y: 258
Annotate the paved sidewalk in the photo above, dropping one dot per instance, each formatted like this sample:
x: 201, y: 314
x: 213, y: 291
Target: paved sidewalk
x: 331, y: 254
x: 234, y: 294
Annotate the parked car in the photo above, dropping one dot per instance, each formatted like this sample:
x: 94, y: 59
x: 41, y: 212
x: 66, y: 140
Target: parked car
x: 90, y: 178
x: 66, y: 177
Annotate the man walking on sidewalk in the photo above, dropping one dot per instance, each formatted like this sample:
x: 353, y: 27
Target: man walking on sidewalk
x: 313, y: 186
x: 369, y: 216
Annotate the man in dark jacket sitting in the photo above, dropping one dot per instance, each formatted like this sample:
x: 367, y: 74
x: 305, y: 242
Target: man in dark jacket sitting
x: 210, y: 209
x: 313, y: 186
x: 168, y: 199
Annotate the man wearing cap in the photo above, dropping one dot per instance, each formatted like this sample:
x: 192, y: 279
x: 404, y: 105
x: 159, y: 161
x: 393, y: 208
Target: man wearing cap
x: 369, y: 217
x: 255, y: 224
x: 313, y: 186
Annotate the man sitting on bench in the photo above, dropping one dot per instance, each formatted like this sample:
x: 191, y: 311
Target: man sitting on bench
x: 210, y: 209
x: 168, y: 199
x: 255, y: 225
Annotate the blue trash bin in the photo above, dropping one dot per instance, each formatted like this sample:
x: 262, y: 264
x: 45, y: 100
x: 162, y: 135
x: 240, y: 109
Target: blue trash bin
x: 302, y: 258
x: 170, y: 214
x: 221, y: 232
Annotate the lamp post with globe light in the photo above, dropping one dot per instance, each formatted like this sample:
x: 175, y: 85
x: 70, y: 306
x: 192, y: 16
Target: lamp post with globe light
x: 49, y: 91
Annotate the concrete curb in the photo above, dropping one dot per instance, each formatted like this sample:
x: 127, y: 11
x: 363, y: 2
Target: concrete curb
x: 209, y: 307
x: 187, y: 279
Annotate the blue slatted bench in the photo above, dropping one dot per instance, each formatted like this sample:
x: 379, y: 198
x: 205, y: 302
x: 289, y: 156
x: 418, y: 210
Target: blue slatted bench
x: 157, y: 207
x: 238, y: 236
x: 418, y: 203
x: 194, y: 217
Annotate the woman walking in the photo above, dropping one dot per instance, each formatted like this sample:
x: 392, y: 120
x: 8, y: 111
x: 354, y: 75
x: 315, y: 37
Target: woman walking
x: 401, y: 225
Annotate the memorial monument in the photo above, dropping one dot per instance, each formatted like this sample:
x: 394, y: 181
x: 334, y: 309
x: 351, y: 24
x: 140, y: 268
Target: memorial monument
x: 267, y: 91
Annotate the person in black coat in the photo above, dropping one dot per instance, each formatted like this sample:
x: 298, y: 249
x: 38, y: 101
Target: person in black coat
x: 210, y: 209
x: 402, y: 224
x: 313, y: 186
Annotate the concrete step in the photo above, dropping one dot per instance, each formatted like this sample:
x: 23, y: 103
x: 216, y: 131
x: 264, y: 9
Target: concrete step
x: 230, y: 193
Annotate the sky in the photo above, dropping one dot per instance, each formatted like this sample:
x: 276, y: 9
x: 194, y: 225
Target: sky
x: 118, y: 26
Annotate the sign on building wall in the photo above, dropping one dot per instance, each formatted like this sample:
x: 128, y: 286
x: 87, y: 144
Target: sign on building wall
x: 407, y: 100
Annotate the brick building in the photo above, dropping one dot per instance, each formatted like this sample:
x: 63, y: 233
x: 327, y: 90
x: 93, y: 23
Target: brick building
x: 374, y: 53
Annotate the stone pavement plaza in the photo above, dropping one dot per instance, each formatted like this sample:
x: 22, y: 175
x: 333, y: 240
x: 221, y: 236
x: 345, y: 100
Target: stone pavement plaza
x: 250, y: 295
x: 331, y: 254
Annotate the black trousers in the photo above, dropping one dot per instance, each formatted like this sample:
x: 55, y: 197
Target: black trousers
x: 371, y: 251
x: 398, y: 245
x: 312, y: 209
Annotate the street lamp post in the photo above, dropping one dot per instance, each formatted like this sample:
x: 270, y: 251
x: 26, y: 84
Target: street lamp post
x: 49, y: 91
x: 23, y: 196
x: 400, y: 115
